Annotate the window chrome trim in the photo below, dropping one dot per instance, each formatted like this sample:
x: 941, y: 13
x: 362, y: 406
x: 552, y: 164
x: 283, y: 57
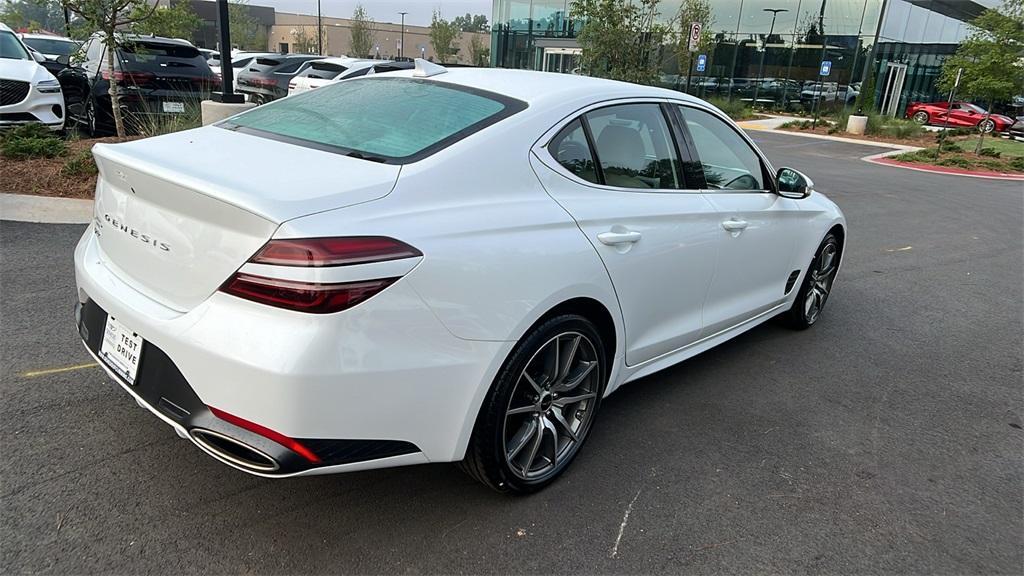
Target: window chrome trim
x: 540, y: 148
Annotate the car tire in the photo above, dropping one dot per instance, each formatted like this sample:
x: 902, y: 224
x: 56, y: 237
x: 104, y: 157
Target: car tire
x: 921, y: 117
x: 986, y: 126
x: 540, y: 408
x: 817, y: 284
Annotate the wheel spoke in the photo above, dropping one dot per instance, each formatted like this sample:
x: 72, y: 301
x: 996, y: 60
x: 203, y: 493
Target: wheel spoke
x: 568, y: 400
x: 536, y: 387
x: 571, y: 384
x: 549, y: 426
x: 521, y: 438
x: 559, y: 419
x: 566, y: 365
x: 538, y: 437
x: 522, y: 410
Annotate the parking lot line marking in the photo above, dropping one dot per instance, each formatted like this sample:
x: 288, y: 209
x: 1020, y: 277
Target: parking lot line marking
x: 48, y: 371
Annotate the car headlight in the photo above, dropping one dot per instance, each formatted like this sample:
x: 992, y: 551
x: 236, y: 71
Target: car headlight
x: 48, y: 86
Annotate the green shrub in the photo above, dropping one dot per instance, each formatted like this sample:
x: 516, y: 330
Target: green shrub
x: 990, y: 152
x: 947, y: 146
x: 31, y: 141
x: 735, y: 109
x: 896, y: 128
x: 798, y: 124
x: 1017, y: 163
x: 80, y: 165
x: 956, y: 162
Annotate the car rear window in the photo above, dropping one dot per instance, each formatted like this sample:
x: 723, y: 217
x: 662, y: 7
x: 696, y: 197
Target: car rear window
x: 392, y: 120
x: 161, y: 58
x: 322, y: 70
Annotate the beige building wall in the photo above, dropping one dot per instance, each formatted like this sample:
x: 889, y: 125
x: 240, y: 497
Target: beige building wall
x: 386, y: 37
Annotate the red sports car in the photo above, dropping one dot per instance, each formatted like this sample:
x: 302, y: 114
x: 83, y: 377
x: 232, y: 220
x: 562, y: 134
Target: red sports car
x: 962, y: 115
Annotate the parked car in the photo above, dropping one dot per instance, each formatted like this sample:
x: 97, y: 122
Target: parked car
x: 28, y: 92
x: 266, y: 78
x: 316, y: 73
x: 821, y: 92
x: 1017, y: 129
x: 239, y: 61
x: 357, y: 69
x: 53, y: 66
x: 961, y: 115
x: 53, y: 47
x: 467, y: 262
x: 156, y: 77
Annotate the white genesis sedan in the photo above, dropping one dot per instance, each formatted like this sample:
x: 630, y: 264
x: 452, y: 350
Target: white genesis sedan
x: 437, y: 265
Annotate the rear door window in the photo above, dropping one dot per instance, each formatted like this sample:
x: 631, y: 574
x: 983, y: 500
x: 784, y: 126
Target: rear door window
x: 392, y: 120
x: 634, y: 147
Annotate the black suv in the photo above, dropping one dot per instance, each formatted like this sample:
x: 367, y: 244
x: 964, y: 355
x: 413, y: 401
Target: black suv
x: 155, y: 77
x: 266, y: 78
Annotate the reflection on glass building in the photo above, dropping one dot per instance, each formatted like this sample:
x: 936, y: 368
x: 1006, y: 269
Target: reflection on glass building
x: 771, y: 50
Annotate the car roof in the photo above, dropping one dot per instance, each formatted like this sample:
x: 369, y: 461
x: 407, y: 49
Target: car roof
x: 4, y: 28
x: 47, y: 37
x: 344, y: 60
x: 149, y: 38
x: 534, y: 87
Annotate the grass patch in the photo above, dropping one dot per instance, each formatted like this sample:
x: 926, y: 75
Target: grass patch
x: 1006, y: 148
x: 954, y: 156
x: 735, y: 109
x: 31, y: 141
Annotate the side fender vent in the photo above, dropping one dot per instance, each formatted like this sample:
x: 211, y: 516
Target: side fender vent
x: 792, y: 280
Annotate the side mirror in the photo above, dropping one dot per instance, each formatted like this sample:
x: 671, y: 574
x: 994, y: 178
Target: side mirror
x: 63, y: 59
x: 38, y: 57
x: 793, y: 184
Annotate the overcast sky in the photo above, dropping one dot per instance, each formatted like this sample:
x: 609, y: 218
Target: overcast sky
x: 419, y: 11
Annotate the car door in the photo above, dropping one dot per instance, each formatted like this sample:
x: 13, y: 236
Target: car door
x: 617, y: 170
x: 74, y: 79
x: 963, y: 116
x: 758, y: 230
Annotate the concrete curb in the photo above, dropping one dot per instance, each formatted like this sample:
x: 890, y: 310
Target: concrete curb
x: 45, y: 209
x: 883, y: 160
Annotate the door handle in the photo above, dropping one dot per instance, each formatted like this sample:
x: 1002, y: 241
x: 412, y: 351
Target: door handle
x: 734, y: 225
x: 618, y: 238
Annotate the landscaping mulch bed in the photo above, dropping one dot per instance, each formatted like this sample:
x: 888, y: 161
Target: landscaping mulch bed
x: 923, y: 141
x: 48, y: 176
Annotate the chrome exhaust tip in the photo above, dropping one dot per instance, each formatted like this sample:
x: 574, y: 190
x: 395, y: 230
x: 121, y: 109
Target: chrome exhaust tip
x: 234, y: 451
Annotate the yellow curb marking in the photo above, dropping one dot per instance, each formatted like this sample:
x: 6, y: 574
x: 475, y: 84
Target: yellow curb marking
x: 48, y: 371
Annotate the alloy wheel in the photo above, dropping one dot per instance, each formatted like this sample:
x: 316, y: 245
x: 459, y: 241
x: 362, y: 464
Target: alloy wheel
x: 821, y: 280
x: 552, y: 406
x: 987, y: 126
x: 921, y: 117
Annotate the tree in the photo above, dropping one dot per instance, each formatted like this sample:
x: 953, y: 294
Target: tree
x: 107, y: 16
x: 33, y: 15
x: 472, y: 23
x: 990, y: 56
x: 442, y: 35
x: 246, y: 32
x: 362, y: 33
x: 174, y: 21
x: 620, y: 38
x: 479, y: 53
x: 691, y: 11
x: 304, y: 42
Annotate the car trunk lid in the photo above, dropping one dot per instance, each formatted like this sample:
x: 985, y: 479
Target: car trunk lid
x: 178, y: 214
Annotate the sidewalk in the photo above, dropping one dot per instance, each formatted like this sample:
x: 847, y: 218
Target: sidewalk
x: 45, y: 209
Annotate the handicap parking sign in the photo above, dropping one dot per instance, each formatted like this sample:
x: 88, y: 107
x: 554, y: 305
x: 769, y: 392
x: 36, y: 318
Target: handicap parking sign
x: 702, y: 62
x: 826, y: 67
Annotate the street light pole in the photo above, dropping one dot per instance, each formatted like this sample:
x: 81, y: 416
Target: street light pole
x: 401, y: 43
x: 319, y: 31
x: 227, y: 92
x: 764, y: 49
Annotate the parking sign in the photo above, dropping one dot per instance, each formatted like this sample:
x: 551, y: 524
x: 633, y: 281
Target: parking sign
x: 695, y: 28
x: 702, y: 62
x: 826, y: 67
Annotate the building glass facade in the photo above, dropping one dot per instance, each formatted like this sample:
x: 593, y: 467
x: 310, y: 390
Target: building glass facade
x: 780, y: 61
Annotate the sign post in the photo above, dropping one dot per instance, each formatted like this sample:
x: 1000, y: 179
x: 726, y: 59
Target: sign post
x: 826, y: 69
x: 949, y: 106
x: 692, y: 45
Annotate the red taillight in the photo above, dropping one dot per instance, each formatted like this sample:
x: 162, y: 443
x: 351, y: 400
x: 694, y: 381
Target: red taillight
x: 317, y: 297
x: 303, y: 296
x: 289, y: 443
x: 333, y: 251
x: 131, y: 78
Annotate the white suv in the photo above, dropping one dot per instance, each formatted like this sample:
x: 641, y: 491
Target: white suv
x: 28, y: 92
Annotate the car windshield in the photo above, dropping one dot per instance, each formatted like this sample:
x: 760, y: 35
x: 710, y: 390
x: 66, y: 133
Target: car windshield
x: 383, y: 119
x: 973, y: 107
x: 53, y: 46
x: 11, y: 48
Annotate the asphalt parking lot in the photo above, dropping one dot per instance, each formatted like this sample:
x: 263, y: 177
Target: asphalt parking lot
x: 887, y: 439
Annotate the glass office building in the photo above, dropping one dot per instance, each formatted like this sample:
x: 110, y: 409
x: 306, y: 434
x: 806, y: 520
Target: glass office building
x: 773, y: 49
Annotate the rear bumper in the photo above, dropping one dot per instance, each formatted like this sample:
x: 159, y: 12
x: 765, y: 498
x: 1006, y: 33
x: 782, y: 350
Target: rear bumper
x: 366, y: 383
